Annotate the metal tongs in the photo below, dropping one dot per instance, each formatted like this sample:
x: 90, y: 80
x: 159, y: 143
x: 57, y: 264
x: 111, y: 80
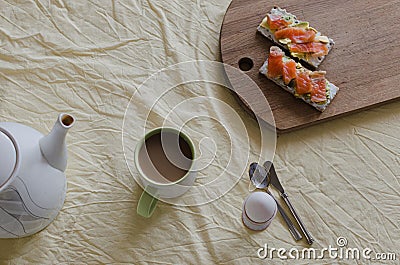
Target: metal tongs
x: 262, y: 176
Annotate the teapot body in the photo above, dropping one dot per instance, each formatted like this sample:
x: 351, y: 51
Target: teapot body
x: 33, y: 197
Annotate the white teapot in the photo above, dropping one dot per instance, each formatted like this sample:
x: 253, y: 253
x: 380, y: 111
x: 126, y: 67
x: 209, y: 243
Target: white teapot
x: 32, y: 181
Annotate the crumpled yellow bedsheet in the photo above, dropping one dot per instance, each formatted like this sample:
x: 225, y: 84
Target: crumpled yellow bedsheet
x: 89, y: 57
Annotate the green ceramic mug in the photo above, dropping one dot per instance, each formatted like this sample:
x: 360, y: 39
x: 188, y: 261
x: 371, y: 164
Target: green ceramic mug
x: 164, y: 159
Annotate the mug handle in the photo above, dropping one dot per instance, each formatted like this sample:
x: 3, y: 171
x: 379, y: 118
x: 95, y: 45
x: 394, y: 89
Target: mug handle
x: 147, y: 203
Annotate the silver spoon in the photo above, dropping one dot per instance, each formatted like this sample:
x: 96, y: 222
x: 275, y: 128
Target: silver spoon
x: 260, y: 179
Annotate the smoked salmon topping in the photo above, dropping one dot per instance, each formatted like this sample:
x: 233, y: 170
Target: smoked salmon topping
x: 275, y: 22
x: 318, y: 93
x: 295, y: 34
x: 316, y: 48
x: 275, y: 64
x: 303, y: 83
x: 289, y: 71
x: 306, y: 82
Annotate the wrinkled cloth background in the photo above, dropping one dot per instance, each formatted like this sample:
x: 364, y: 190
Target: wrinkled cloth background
x: 88, y: 58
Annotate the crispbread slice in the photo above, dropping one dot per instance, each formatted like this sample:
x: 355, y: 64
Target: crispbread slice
x: 331, y: 89
x: 312, y: 62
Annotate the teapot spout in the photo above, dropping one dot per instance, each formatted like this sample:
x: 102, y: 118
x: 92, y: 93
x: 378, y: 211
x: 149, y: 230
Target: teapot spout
x: 53, y: 145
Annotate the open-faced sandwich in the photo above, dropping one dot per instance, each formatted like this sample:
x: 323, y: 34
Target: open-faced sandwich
x: 310, y: 86
x: 295, y: 36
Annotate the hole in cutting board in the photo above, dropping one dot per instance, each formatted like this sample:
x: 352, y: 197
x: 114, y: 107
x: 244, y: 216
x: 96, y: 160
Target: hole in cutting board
x: 245, y: 64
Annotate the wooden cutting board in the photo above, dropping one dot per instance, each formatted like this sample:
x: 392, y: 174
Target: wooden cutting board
x: 364, y: 63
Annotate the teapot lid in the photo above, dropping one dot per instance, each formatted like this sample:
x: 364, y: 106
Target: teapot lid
x: 8, y: 158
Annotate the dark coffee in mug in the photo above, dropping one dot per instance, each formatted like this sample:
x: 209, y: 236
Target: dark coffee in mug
x: 165, y: 157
